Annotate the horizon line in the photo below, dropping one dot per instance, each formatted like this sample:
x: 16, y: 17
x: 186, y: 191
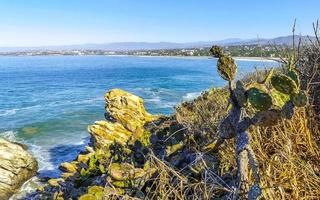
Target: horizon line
x: 150, y: 42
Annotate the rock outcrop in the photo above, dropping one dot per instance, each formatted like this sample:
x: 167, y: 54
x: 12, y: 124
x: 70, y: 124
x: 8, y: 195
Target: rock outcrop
x: 109, y: 156
x: 126, y: 117
x: 16, y: 167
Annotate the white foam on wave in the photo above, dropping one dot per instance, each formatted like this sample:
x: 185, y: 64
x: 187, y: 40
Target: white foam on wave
x: 9, y: 135
x: 190, y: 96
x: 155, y: 98
x: 42, y: 155
x: 8, y: 112
x: 13, y: 111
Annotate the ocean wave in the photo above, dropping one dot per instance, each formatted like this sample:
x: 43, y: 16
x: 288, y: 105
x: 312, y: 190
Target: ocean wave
x: 157, y: 98
x: 13, y: 111
x: 159, y: 103
x: 190, y: 96
x: 168, y: 105
x: 8, y: 112
x: 43, y: 157
x: 184, y: 77
x: 87, y: 101
x: 55, y: 104
x: 149, y: 91
x: 153, y: 100
x: 9, y: 135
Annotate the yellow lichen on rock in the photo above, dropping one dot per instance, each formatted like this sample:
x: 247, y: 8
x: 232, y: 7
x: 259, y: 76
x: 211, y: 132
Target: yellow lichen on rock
x: 83, y: 158
x: 126, y: 175
x: 128, y: 117
x: 127, y: 109
x: 105, y: 132
x: 68, y: 167
x: 55, y: 181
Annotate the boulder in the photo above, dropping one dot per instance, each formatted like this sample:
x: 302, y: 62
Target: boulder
x: 16, y: 167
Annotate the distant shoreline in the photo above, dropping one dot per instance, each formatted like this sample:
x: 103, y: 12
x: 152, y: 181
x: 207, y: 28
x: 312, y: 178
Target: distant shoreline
x: 244, y: 58
x: 264, y: 59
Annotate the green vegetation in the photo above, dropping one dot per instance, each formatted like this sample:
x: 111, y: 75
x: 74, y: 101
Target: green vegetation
x: 235, y: 51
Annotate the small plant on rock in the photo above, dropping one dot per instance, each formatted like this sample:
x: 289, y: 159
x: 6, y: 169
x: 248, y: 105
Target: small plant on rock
x: 271, y: 100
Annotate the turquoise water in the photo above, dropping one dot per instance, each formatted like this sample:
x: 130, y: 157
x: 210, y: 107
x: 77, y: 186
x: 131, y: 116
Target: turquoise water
x: 47, y: 102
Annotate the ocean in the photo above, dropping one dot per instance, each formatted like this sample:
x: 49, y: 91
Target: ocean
x: 47, y: 102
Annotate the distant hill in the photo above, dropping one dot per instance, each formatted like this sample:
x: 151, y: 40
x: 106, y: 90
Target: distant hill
x: 283, y: 40
x: 130, y: 46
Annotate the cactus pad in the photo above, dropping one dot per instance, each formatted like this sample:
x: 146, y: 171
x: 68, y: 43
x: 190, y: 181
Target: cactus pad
x: 278, y: 98
x: 216, y: 51
x: 294, y: 76
x: 227, y: 67
x: 284, y: 84
x: 300, y: 99
x: 259, y: 99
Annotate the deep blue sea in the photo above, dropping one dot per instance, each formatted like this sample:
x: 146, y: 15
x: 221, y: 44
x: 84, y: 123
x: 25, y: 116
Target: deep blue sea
x: 47, y: 102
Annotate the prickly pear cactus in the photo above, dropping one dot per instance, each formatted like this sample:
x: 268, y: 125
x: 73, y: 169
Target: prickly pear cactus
x: 271, y: 102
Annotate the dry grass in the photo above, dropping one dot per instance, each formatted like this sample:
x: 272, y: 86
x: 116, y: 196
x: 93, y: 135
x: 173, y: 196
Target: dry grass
x: 170, y: 183
x: 289, y: 153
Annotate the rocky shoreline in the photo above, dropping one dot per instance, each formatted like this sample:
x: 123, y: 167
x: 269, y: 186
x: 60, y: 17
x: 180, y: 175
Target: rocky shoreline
x: 136, y: 155
x: 127, y: 154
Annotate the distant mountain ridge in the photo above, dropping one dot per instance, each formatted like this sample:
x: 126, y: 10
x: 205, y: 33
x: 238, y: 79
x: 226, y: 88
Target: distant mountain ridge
x: 131, y: 46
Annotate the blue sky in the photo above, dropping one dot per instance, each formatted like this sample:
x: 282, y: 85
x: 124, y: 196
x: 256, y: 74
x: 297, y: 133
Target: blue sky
x: 58, y: 22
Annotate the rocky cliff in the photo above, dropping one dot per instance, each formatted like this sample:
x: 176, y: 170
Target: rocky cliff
x: 16, y: 166
x: 134, y: 154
